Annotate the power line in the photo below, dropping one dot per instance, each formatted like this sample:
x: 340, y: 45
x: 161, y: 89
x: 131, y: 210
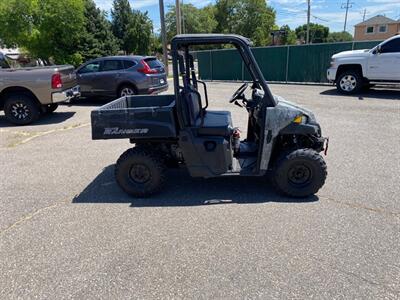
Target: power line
x: 346, y: 6
x: 318, y: 18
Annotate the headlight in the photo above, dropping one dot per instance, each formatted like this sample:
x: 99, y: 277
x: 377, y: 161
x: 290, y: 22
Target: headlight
x: 333, y: 62
x: 300, y: 119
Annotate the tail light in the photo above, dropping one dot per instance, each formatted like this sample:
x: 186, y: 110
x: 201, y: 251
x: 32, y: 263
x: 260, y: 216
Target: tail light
x: 146, y: 68
x: 56, y: 81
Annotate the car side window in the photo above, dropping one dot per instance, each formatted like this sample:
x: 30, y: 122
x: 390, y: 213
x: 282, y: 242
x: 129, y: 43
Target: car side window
x: 90, y: 68
x: 112, y: 65
x: 391, y: 46
x: 129, y: 64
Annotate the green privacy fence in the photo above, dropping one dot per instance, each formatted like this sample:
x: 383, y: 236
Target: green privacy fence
x: 302, y: 63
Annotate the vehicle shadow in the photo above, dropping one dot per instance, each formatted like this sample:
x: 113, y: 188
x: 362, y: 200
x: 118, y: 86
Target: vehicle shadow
x: 384, y: 94
x: 183, y: 190
x: 47, y: 119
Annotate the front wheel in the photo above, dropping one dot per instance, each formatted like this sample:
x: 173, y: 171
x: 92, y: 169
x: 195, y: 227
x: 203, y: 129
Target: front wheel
x: 299, y: 173
x: 349, y: 82
x: 139, y: 172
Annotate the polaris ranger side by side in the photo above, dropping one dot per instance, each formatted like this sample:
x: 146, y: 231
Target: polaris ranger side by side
x: 283, y: 140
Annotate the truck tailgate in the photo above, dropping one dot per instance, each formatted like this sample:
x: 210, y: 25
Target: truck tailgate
x: 68, y: 76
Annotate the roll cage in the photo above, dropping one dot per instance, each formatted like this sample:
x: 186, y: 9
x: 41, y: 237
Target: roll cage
x: 183, y: 66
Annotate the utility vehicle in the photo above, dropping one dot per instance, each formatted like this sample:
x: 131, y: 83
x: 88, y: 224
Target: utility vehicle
x: 283, y: 140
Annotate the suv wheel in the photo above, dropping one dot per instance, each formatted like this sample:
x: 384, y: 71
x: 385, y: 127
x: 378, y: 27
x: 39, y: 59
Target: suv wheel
x: 126, y: 90
x: 349, y: 82
x: 21, y: 109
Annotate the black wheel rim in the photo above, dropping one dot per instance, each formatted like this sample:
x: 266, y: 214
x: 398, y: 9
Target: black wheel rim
x: 20, y: 111
x: 299, y: 174
x: 139, y: 173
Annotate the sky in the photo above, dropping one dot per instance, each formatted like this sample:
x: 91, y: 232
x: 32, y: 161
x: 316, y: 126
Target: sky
x: 292, y: 12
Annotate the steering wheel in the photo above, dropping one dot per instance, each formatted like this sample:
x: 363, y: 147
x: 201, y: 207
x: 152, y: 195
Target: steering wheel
x: 239, y: 93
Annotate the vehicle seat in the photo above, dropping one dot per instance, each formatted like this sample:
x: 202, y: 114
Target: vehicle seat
x: 215, y: 123
x: 218, y: 123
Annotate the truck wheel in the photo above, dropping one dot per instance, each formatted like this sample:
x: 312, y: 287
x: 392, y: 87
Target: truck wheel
x: 49, y: 108
x: 140, y: 172
x: 349, y: 82
x: 126, y: 90
x: 299, y: 173
x: 21, y: 109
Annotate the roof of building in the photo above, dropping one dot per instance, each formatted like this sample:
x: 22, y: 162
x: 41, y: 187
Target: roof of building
x: 377, y: 20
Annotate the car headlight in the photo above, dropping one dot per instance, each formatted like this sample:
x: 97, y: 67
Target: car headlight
x: 333, y: 60
x: 301, y: 119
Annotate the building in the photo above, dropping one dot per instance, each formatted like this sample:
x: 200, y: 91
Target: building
x: 376, y: 28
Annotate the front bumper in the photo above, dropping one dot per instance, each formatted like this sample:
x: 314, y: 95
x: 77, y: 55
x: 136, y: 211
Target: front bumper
x: 331, y: 74
x: 66, y: 95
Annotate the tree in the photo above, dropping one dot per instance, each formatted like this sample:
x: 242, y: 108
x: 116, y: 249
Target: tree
x: 195, y: 20
x: 156, y: 44
x: 132, y: 28
x: 139, y: 34
x: 121, y: 15
x: 342, y: 36
x: 97, y: 39
x: 46, y: 28
x: 251, y: 18
x: 290, y: 37
x: 318, y: 33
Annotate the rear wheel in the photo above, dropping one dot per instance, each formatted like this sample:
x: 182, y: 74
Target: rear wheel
x: 349, y: 82
x: 21, y: 109
x: 140, y: 172
x: 299, y: 173
x: 126, y: 90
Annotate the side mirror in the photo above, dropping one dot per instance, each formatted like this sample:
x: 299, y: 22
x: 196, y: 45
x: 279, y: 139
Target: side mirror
x: 378, y: 49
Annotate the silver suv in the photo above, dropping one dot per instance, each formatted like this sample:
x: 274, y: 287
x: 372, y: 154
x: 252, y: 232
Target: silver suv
x: 117, y: 76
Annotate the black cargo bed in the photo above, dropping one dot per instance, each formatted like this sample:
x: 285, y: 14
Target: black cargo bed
x: 135, y: 117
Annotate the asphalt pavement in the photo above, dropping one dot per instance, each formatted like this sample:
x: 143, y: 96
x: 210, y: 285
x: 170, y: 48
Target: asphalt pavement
x: 68, y: 232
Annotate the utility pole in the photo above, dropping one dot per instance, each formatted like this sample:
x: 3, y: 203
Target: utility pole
x: 346, y: 6
x: 365, y: 11
x: 308, y: 21
x: 178, y: 16
x: 183, y: 19
x: 163, y: 36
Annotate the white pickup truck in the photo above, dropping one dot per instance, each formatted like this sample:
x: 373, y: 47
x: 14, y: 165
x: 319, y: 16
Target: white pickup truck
x: 353, y: 70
